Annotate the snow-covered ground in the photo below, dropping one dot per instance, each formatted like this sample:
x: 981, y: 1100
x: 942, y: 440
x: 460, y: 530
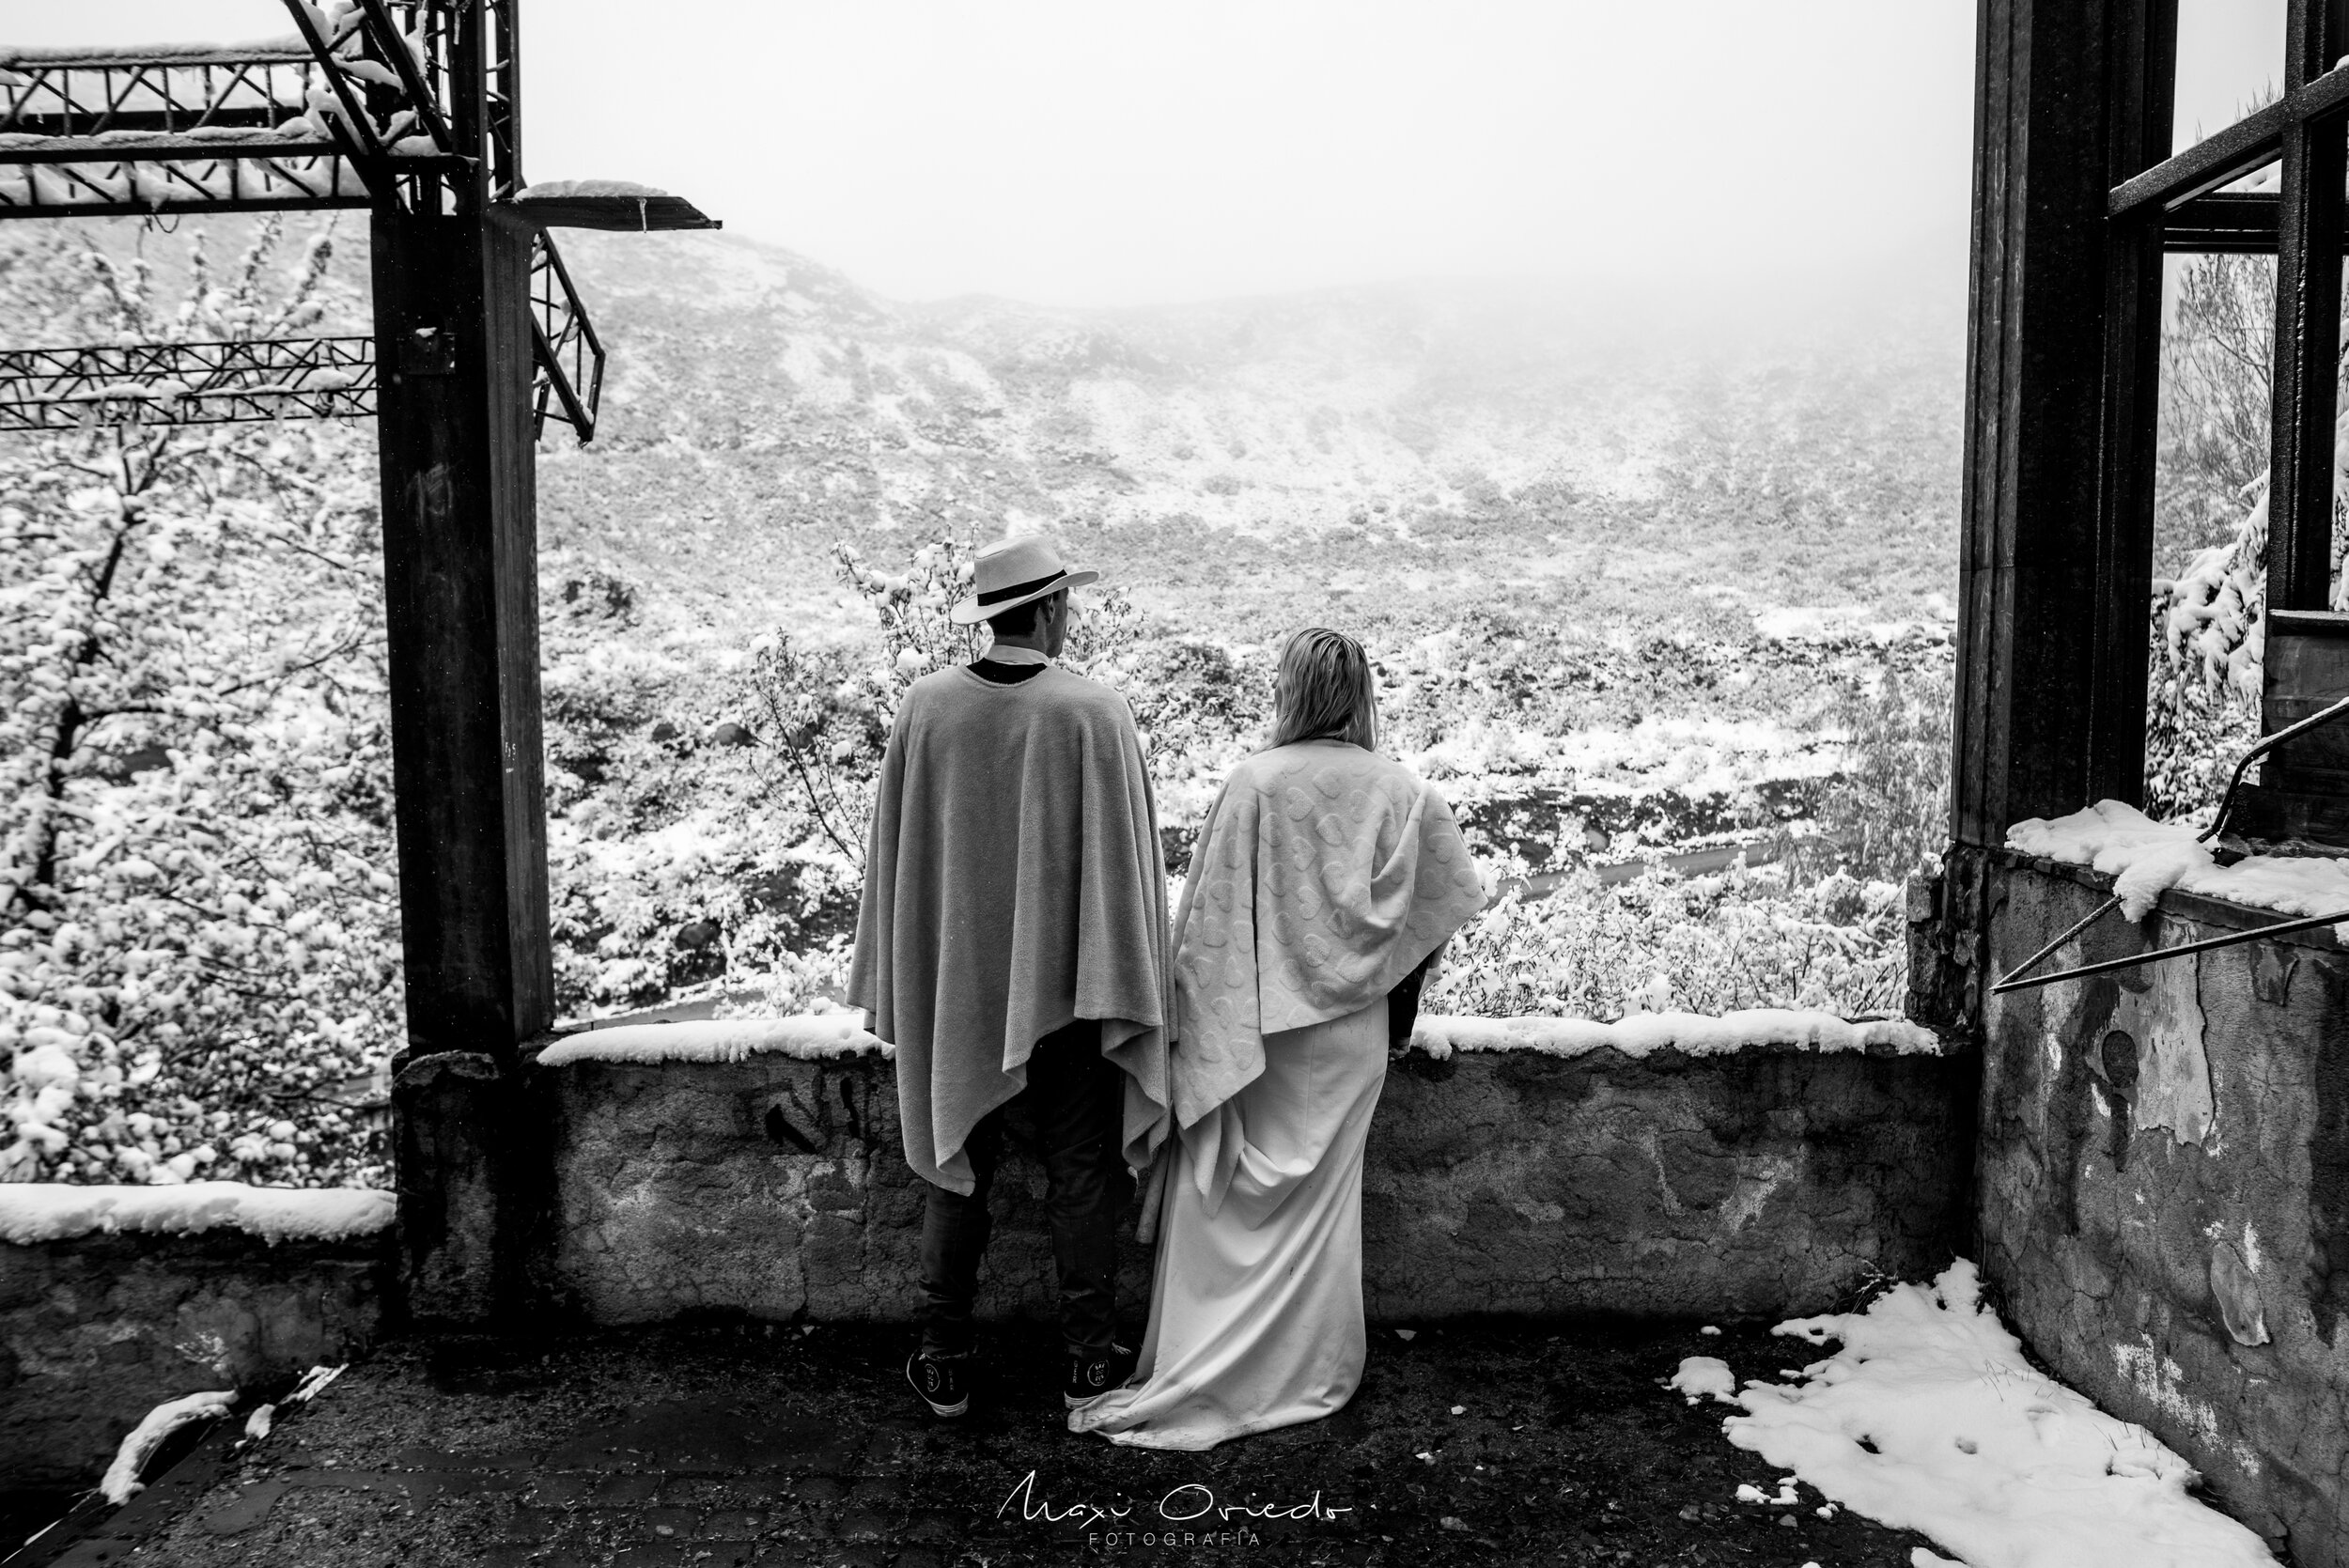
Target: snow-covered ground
x: 1928, y: 1417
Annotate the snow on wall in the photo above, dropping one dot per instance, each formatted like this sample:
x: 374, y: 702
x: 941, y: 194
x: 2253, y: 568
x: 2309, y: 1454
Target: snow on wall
x: 1692, y: 1033
x: 809, y: 1038
x: 2145, y: 859
x: 825, y: 1035
x: 32, y: 1212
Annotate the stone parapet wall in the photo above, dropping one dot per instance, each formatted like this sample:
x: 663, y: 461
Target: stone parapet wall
x: 1767, y: 1177
x: 1767, y: 1182
x: 1759, y: 1166
x: 97, y: 1329
x: 2164, y: 1189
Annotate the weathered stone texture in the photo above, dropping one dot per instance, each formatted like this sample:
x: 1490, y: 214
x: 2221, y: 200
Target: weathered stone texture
x: 2162, y: 1195
x: 98, y: 1330
x: 1769, y: 1181
x: 773, y: 1187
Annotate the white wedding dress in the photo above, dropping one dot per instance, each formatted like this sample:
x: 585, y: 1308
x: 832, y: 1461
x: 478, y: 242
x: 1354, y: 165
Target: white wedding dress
x: 1256, y: 1306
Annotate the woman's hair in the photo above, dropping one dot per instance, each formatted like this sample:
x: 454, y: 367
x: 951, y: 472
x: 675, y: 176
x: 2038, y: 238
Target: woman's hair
x: 1323, y: 691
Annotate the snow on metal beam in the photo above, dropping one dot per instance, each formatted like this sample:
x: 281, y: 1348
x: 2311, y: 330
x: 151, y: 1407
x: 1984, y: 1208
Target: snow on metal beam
x: 187, y: 383
x: 92, y: 133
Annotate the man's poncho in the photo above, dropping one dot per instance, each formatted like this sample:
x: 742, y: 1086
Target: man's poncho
x: 1014, y: 884
x: 1325, y: 873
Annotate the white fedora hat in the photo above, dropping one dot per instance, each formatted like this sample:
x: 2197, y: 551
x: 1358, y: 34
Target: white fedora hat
x: 1012, y: 572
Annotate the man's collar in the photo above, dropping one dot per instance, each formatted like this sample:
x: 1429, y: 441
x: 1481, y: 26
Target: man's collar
x: 1000, y: 653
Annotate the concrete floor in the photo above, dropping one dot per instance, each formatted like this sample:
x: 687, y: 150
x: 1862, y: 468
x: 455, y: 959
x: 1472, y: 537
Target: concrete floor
x: 728, y: 1446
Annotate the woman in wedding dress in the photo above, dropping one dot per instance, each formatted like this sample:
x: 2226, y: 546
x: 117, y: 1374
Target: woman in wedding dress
x: 1326, y: 878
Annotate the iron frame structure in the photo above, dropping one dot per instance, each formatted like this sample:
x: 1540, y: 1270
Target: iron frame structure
x: 412, y: 106
x: 2075, y: 165
x: 187, y: 383
x: 410, y: 109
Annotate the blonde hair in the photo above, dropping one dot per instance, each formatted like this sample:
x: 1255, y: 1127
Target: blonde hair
x: 1323, y: 691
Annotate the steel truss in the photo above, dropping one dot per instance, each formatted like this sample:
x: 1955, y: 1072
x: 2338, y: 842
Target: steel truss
x: 85, y: 134
x: 569, y: 383
x: 412, y: 106
x: 187, y: 383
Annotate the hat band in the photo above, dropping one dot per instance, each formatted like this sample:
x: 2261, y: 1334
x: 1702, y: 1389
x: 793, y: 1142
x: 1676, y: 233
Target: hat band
x: 997, y: 596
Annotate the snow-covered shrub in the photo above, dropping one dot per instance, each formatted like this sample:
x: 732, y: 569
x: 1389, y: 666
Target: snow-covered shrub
x: 1885, y: 815
x: 828, y: 712
x: 2202, y: 697
x: 198, y: 930
x: 1701, y: 945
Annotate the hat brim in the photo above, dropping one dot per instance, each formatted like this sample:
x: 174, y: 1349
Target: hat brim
x: 971, y: 611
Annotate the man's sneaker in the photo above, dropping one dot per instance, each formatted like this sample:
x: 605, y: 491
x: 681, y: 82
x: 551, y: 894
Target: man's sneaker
x: 1091, y: 1376
x: 939, y: 1383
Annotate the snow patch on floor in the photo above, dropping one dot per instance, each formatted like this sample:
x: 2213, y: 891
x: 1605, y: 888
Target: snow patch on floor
x: 1929, y: 1418
x: 2145, y: 859
x: 1700, y: 1376
x: 32, y: 1212
x: 122, y: 1476
x: 1692, y: 1033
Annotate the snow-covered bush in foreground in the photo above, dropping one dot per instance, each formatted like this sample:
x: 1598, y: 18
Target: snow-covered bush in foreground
x: 198, y: 932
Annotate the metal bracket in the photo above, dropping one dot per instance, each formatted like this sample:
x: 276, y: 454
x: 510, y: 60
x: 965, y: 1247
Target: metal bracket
x: 2013, y: 981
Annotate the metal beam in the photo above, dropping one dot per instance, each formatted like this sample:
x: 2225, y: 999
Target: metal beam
x: 453, y: 311
x: 83, y: 92
x: 2035, y: 670
x: 187, y: 383
x: 560, y: 207
x: 570, y: 382
x: 2307, y: 371
x: 85, y: 134
x: 2252, y: 142
x: 2140, y: 69
x: 2227, y: 223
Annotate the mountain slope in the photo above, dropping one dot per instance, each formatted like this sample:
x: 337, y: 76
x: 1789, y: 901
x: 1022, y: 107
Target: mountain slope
x: 1428, y: 437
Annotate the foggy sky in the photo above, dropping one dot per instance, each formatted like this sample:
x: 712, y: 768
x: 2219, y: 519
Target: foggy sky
x: 1069, y: 151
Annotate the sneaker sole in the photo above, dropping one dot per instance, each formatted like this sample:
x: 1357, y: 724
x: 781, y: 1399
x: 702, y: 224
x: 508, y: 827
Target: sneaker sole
x: 943, y: 1411
x: 1072, y: 1402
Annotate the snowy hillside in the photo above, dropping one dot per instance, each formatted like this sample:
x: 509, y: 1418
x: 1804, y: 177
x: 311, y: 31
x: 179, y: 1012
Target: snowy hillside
x: 1417, y: 440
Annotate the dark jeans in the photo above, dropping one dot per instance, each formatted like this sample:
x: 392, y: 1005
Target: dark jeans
x: 1076, y: 1098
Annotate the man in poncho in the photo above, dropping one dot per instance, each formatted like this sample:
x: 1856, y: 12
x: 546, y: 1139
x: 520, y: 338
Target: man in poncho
x: 1011, y: 944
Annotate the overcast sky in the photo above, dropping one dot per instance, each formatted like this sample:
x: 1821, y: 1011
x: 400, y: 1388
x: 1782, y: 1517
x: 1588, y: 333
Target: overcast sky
x: 1094, y: 152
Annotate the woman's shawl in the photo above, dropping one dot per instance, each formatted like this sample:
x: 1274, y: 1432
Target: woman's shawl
x: 1324, y: 874
x: 1014, y: 883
